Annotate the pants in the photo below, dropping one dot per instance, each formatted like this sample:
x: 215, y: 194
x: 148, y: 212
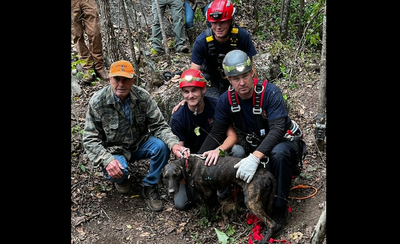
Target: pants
x: 283, y: 157
x: 85, y: 19
x: 176, y: 7
x: 153, y: 148
x: 189, y: 14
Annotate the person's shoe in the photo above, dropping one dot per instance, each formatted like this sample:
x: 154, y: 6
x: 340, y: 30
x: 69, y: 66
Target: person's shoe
x: 103, y: 74
x: 280, y: 215
x: 87, y: 77
x: 124, y: 187
x: 150, y: 195
x: 184, y: 49
x: 155, y: 53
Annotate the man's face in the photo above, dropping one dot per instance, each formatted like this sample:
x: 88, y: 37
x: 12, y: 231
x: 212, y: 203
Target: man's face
x: 121, y: 86
x: 221, y: 28
x: 193, y: 94
x: 243, y: 84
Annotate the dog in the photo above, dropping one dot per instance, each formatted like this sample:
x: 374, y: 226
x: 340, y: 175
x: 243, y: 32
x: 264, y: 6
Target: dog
x: 205, y: 180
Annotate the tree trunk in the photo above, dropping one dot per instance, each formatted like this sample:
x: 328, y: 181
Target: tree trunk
x: 285, y: 11
x: 300, y: 31
x: 110, y: 44
x: 320, y: 118
x: 318, y: 235
x: 131, y: 45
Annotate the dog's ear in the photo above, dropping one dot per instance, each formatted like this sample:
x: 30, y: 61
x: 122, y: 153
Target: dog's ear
x: 182, y: 162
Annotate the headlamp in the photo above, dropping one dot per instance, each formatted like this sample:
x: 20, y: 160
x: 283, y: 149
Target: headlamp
x: 216, y: 15
x: 239, y: 67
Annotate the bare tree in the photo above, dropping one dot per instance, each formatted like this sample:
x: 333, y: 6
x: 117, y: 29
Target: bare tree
x: 321, y: 118
x: 301, y: 13
x: 131, y: 45
x: 319, y: 233
x: 113, y: 51
x: 285, y: 12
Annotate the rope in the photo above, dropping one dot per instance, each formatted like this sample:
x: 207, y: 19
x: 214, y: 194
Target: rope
x: 304, y: 187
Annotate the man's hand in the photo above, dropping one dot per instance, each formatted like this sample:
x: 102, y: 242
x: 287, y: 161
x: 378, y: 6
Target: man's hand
x: 181, y: 103
x: 247, y: 167
x: 180, y: 151
x: 114, y: 169
x: 211, y: 157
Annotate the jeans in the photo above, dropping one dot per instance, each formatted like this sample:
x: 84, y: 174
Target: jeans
x: 153, y: 148
x: 189, y: 14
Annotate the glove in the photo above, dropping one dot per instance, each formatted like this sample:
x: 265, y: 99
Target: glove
x: 247, y: 168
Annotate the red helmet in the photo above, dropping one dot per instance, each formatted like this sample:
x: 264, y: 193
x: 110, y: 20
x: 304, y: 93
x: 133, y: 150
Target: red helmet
x: 220, y: 10
x: 192, y: 77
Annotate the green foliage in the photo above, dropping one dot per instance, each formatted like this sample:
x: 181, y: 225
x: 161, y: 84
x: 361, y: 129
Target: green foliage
x: 76, y: 129
x: 222, y: 237
x: 198, y: 16
x: 226, y: 237
x: 83, y: 168
x: 74, y: 65
x: 312, y: 13
x: 204, y: 221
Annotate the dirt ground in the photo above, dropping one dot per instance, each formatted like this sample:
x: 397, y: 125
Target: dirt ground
x: 99, y: 214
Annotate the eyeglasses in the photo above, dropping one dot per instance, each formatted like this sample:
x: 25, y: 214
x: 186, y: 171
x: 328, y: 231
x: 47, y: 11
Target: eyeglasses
x: 216, y: 15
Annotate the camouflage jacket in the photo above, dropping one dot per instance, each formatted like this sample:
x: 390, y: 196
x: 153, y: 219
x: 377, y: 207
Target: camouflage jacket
x: 107, y: 130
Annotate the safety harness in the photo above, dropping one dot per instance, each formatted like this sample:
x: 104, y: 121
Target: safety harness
x: 259, y: 115
x: 293, y: 134
x: 233, y: 38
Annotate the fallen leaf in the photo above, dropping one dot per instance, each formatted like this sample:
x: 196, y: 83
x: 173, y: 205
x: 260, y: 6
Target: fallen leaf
x: 79, y: 220
x: 296, y: 236
x: 80, y: 230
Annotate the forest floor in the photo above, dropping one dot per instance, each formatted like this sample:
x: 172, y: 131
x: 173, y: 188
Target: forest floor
x: 99, y: 214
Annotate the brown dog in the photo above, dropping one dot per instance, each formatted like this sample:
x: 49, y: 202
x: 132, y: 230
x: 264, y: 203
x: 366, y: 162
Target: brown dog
x: 258, y: 194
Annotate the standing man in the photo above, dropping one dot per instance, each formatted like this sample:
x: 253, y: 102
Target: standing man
x: 213, y: 44
x: 124, y: 123
x: 177, y: 13
x: 192, y: 123
x: 269, y: 136
x: 85, y: 20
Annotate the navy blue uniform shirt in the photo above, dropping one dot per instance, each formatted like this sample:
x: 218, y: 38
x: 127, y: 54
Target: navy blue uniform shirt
x: 273, y: 105
x: 184, y: 123
x: 200, y: 53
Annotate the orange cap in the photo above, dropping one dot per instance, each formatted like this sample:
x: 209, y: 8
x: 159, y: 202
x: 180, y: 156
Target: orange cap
x: 122, y: 68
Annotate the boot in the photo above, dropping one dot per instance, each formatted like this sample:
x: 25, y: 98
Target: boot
x: 103, y: 74
x: 280, y: 215
x: 151, y: 197
x: 124, y: 187
x: 88, y: 77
